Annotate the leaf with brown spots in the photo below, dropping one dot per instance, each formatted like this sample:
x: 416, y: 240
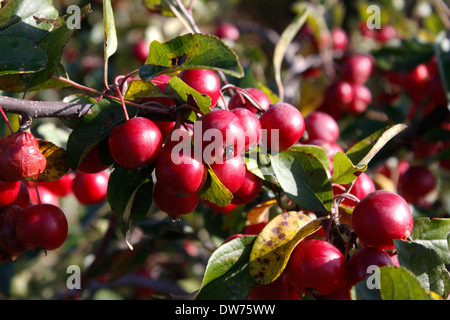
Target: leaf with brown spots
x: 56, y: 161
x: 273, y: 246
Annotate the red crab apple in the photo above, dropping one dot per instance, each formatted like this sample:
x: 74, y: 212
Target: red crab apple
x: 220, y: 134
x: 251, y: 125
x: 174, y: 205
x: 249, y: 189
x: 10, y: 246
x: 226, y: 30
x: 62, y: 186
x: 135, y: 143
x: 316, y: 267
x: 21, y: 157
x: 204, y: 81
x: 230, y: 172
x: 42, y: 195
x: 8, y: 192
x: 416, y: 183
x: 280, y: 289
x: 320, y: 125
x: 141, y: 50
x: 92, y: 162
x: 42, y: 226
x: 357, y: 266
x: 356, y: 68
x: 380, y: 217
x: 282, y: 125
x: 179, y: 171
x: 240, y: 101
x: 90, y: 188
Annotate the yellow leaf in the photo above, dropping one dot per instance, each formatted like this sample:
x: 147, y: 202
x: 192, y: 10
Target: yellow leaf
x: 273, y: 246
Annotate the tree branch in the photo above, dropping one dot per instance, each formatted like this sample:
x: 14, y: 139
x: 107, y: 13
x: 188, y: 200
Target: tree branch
x: 44, y: 109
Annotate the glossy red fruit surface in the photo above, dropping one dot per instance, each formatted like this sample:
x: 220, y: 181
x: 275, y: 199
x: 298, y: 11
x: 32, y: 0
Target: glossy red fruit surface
x: 10, y: 246
x: 174, y: 205
x: 42, y: 226
x: 339, y: 39
x: 249, y: 189
x: 251, y: 125
x: 135, y: 142
x: 8, y: 192
x: 204, y: 81
x: 356, y: 68
x: 416, y: 183
x: 231, y: 172
x: 141, y: 50
x: 380, y: 217
x: 316, y: 267
x: 282, y: 125
x: 179, y: 172
x: 90, y: 188
x: 362, y: 98
x: 226, y: 30
x: 42, y: 195
x: 320, y: 125
x: 225, y: 210
x: 280, y: 289
x: 240, y: 101
x: 21, y: 157
x: 361, y: 260
x: 221, y: 135
x: 92, y: 162
x: 61, y: 187
x: 362, y: 186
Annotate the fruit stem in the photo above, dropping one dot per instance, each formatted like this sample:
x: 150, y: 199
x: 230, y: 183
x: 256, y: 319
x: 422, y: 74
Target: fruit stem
x: 7, y: 120
x: 37, y: 192
x: 119, y: 92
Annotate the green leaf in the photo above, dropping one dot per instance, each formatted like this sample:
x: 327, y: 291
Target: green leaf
x: 304, y: 179
x: 183, y: 93
x: 345, y: 172
x: 123, y: 191
x: 214, y: 191
x: 398, y: 283
x: 20, y: 56
x: 93, y: 128
x: 274, y: 244
x: 318, y: 151
x: 433, y: 234
x: 139, y: 89
x: 425, y: 264
x: 28, y: 19
x: 404, y: 56
x: 110, y: 36
x: 442, y: 51
x: 363, y: 151
x: 226, y: 275
x: 52, y: 42
x: 190, y: 51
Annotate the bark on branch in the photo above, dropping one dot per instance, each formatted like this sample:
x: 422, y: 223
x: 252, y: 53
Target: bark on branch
x: 44, y: 109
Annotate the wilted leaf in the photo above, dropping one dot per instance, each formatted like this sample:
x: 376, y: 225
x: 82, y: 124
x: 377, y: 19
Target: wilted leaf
x: 56, y: 161
x: 274, y: 244
x: 363, y: 151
